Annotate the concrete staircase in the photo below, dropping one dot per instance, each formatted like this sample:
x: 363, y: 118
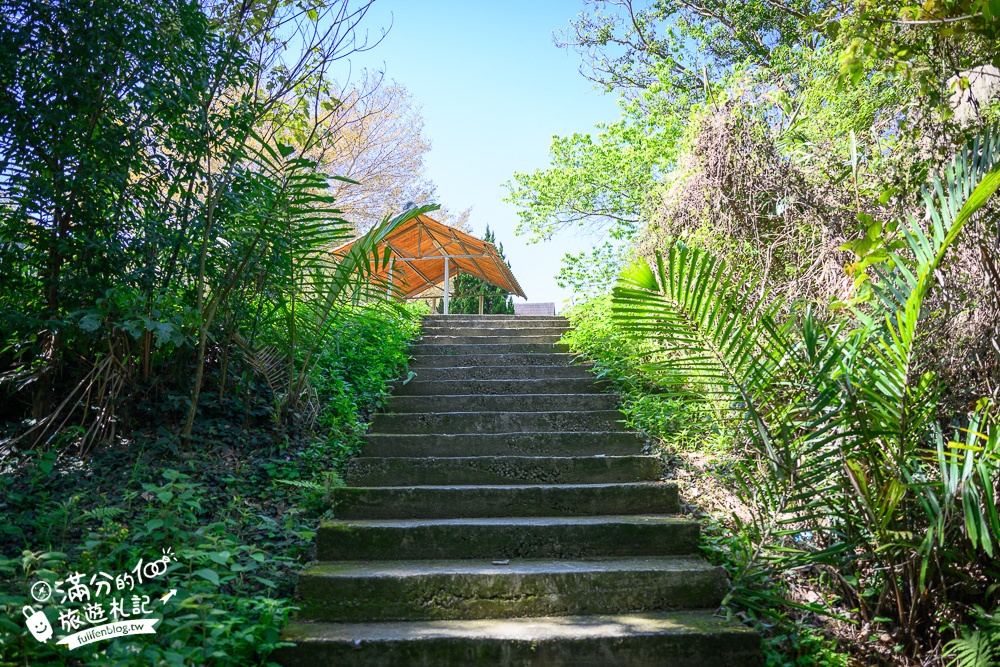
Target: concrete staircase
x: 501, y: 516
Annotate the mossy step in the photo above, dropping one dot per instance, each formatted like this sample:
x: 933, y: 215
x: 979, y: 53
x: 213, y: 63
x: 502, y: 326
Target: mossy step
x: 538, y: 443
x: 496, y: 422
x: 493, y: 321
x: 421, y: 387
x: 454, y: 339
x: 431, y: 330
x: 444, y: 502
x: 677, y: 639
x: 352, y: 592
x: 427, y: 359
x: 424, y: 373
x: 454, y: 349
x: 501, y: 538
x: 404, y: 471
x: 504, y: 403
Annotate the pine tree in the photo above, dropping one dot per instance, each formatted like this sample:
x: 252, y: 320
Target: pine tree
x: 496, y: 301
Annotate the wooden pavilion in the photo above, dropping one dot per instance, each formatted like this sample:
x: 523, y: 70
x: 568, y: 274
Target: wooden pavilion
x: 426, y: 253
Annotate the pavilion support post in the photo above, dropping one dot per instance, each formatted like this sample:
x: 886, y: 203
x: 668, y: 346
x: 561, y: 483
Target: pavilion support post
x: 447, y: 280
x: 388, y: 290
x: 481, y: 304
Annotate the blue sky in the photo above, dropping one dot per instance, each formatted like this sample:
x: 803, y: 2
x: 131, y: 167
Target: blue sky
x: 494, y: 89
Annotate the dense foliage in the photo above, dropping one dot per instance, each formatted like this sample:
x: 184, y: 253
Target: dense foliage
x: 157, y: 220
x: 185, y: 363
x: 239, y: 509
x: 699, y: 454
x: 804, y: 193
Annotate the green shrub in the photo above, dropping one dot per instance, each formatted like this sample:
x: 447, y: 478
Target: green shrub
x: 238, y: 511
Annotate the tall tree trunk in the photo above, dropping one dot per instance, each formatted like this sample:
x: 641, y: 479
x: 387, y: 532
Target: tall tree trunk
x: 41, y: 404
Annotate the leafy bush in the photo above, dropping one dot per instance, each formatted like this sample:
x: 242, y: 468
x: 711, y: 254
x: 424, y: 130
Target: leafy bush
x: 672, y: 420
x: 850, y: 469
x: 238, y: 511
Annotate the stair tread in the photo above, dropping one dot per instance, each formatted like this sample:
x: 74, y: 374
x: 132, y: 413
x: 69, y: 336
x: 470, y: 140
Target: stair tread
x: 521, y: 629
x: 641, y: 519
x: 513, y: 412
x: 515, y: 567
x: 480, y: 367
x: 516, y: 457
x: 462, y: 386
x: 501, y: 487
x: 500, y: 434
x: 528, y: 397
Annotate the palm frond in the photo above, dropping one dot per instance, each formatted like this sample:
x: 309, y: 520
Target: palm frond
x: 975, y: 649
x: 723, y: 342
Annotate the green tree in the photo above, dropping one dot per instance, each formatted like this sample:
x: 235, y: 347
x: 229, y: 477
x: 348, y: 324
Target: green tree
x: 156, y: 230
x: 496, y: 301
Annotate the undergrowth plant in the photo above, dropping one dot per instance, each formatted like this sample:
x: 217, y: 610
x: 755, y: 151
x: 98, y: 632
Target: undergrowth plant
x: 668, y: 419
x: 239, y: 512
x: 849, y: 468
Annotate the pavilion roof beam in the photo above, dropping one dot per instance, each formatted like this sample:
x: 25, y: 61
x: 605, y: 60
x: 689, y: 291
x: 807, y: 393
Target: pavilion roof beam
x: 466, y: 249
x: 399, y: 251
x: 438, y: 245
x: 432, y: 258
x: 417, y: 271
x: 399, y: 232
x: 503, y: 270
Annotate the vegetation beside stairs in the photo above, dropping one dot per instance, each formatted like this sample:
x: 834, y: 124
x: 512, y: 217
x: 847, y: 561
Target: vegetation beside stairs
x: 501, y: 515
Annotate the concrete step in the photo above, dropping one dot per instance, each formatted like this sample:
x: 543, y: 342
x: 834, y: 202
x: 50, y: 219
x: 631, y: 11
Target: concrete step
x: 493, y: 331
x: 504, y: 403
x: 489, y: 340
x: 420, y: 387
x: 353, y: 591
x: 493, y: 321
x: 521, y: 360
x: 458, y: 502
x: 457, y: 349
x: 678, y: 639
x: 405, y: 471
x: 496, y: 422
x: 513, y: 529
x: 503, y: 538
x: 548, y: 443
x: 426, y: 373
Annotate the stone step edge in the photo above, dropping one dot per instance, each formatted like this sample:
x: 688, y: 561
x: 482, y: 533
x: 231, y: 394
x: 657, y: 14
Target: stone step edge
x: 493, y: 331
x: 680, y: 639
x: 500, y: 387
x: 592, y: 397
x: 528, y: 630
x: 532, y: 396
x: 493, y: 538
x: 395, y: 569
x: 510, y: 412
x: 510, y: 588
x: 485, y: 367
x: 533, y: 488
x: 504, y: 434
x: 478, y: 381
x: 598, y: 520
x: 558, y: 458
x: 506, y: 469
